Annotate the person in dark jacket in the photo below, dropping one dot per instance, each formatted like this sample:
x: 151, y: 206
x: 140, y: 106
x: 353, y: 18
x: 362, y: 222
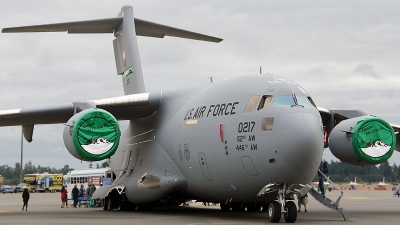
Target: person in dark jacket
x: 75, y: 194
x: 25, y: 198
x: 322, y: 172
x: 81, y: 191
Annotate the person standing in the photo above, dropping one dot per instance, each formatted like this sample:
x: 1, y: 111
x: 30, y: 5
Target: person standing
x: 25, y: 199
x: 64, y: 196
x: 397, y: 190
x: 322, y: 172
x: 81, y: 191
x: 92, y: 190
x: 88, y: 190
x: 302, y: 200
x: 321, y: 178
x: 75, y: 193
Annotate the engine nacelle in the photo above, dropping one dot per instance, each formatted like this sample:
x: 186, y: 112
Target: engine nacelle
x: 92, y: 135
x: 366, y: 140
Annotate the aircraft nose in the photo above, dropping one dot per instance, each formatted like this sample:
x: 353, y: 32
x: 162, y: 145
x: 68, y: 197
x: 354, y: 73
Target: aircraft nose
x: 299, y: 139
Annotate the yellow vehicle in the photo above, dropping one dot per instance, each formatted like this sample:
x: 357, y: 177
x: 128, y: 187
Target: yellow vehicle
x: 44, y: 182
x: 20, y: 187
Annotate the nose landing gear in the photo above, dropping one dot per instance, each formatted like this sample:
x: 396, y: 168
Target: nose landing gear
x: 276, y: 208
x: 275, y: 211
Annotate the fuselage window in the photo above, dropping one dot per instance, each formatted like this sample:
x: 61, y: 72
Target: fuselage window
x: 265, y: 101
x: 267, y: 123
x: 252, y: 103
x: 283, y: 100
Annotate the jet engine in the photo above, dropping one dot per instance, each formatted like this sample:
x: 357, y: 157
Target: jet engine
x: 92, y: 135
x: 366, y: 140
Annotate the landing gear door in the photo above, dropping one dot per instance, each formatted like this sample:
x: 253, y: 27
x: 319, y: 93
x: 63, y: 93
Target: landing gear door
x: 204, y: 167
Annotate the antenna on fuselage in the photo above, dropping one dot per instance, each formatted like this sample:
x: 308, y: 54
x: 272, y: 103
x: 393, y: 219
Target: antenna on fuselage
x: 211, y: 79
x: 260, y: 70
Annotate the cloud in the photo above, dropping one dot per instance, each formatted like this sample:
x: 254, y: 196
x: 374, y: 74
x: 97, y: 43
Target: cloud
x: 366, y: 70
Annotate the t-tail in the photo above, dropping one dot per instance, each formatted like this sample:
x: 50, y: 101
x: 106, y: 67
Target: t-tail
x: 125, y: 28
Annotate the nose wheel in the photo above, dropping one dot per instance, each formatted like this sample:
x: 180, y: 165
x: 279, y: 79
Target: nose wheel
x: 291, y: 212
x: 275, y: 212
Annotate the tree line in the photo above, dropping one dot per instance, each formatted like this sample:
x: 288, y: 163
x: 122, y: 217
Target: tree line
x: 338, y: 172
x: 12, y: 174
x: 342, y: 172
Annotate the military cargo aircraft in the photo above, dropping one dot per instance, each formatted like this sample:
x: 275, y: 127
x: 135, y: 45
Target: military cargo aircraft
x: 253, y: 147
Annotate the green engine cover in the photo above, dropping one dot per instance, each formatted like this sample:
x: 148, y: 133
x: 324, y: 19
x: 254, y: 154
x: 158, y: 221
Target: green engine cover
x: 96, y: 135
x: 373, y: 140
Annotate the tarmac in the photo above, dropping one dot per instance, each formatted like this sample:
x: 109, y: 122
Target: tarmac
x: 365, y: 206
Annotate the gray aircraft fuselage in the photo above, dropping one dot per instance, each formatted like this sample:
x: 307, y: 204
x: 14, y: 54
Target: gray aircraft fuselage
x: 247, y: 142
x: 222, y: 152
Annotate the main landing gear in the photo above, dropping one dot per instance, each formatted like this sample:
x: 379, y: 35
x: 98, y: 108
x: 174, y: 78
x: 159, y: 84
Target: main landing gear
x: 115, y: 201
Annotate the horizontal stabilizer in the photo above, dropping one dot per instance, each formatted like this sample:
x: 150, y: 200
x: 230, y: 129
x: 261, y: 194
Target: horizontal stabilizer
x: 94, y: 26
x: 143, y: 28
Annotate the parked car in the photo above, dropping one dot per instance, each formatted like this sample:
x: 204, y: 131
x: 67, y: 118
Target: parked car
x: 6, y: 189
x: 20, y: 187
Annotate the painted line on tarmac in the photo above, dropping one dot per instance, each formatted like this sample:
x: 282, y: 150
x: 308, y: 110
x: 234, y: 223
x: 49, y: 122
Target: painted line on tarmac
x: 358, y: 198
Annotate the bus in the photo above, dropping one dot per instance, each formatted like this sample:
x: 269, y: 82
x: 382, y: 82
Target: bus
x: 44, y: 182
x: 79, y: 177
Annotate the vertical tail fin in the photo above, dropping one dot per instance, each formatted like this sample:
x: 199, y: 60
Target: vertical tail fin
x: 126, y: 53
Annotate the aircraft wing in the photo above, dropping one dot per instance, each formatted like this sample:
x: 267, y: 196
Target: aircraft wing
x: 123, y: 108
x: 332, y: 117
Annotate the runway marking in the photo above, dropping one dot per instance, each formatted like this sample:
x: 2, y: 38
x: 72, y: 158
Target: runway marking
x: 359, y: 198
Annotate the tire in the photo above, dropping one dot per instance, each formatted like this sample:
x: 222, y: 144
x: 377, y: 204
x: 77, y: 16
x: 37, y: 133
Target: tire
x: 113, y: 200
x: 109, y: 202
x: 274, y: 212
x: 105, y: 205
x: 291, y: 212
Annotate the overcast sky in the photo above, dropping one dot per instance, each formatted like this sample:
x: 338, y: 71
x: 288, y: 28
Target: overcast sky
x: 344, y: 53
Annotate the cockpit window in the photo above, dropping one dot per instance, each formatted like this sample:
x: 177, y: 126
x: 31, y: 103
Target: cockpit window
x: 252, y: 103
x: 304, y: 101
x: 283, y: 100
x: 259, y: 102
x: 265, y: 101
